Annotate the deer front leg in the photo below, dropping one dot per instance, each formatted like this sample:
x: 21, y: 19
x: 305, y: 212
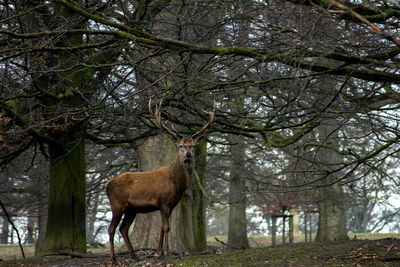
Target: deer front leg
x: 161, y: 241
x: 165, y: 213
x: 166, y: 231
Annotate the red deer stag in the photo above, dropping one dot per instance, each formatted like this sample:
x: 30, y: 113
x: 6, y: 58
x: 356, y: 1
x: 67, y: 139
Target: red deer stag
x: 161, y: 189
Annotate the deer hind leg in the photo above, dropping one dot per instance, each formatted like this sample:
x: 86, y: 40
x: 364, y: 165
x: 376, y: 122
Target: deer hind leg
x: 116, y: 217
x: 129, y: 216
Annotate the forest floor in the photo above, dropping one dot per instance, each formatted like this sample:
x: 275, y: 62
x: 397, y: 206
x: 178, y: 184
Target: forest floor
x: 378, y: 252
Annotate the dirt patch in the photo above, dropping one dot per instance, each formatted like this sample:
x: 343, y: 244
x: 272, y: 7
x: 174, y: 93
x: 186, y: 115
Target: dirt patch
x: 382, y: 252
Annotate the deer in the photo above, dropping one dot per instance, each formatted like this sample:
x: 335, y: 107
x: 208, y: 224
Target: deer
x: 161, y: 189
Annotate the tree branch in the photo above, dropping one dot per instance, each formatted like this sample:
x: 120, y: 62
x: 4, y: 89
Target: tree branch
x: 13, y: 226
x: 121, y: 140
x: 261, y: 55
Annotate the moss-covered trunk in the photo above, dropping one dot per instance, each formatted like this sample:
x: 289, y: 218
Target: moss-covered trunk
x: 199, y: 206
x: 66, y: 210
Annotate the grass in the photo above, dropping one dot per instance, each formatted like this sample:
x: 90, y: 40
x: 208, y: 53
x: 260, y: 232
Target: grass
x: 255, y: 241
x: 362, y: 250
x: 264, y: 241
x: 233, y: 258
x: 13, y: 251
x: 376, y: 252
x: 373, y: 236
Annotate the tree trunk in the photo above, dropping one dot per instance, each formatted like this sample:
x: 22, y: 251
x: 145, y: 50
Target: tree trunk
x: 199, y: 207
x: 191, y: 224
x: 296, y: 222
x: 30, y: 229
x: 332, y: 218
x: 4, y: 231
x: 237, y: 226
x: 332, y: 212
x: 42, y: 222
x: 91, y: 217
x: 183, y: 223
x: 66, y: 210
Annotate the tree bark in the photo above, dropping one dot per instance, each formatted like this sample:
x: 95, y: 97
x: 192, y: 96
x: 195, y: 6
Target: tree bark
x: 199, y: 207
x: 91, y: 217
x: 30, y: 229
x: 4, y: 231
x: 66, y: 224
x: 191, y: 224
x: 237, y: 226
x: 296, y: 222
x: 332, y: 217
x: 332, y: 212
x: 42, y: 223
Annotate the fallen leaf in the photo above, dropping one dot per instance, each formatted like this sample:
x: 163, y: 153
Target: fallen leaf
x: 207, y: 251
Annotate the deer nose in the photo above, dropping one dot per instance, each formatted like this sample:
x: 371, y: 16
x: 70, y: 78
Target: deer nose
x: 188, y: 154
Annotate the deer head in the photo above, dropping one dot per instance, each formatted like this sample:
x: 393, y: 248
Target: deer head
x: 185, y: 145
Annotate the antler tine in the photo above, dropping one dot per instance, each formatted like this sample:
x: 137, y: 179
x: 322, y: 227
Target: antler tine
x: 157, y: 117
x: 210, y: 120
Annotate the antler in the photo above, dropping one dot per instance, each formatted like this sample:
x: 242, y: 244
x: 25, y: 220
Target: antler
x: 157, y: 117
x: 210, y: 120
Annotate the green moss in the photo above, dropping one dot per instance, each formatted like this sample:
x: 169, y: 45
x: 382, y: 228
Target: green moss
x: 10, y: 102
x: 66, y: 220
x: 67, y: 94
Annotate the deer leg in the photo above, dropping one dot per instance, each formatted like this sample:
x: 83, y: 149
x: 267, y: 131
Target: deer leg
x: 165, y: 213
x: 166, y: 231
x: 129, y: 216
x: 116, y: 217
x: 161, y: 241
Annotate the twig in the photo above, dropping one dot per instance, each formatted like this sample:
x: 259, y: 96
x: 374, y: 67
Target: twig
x: 15, y: 228
x: 365, y: 21
x: 74, y: 254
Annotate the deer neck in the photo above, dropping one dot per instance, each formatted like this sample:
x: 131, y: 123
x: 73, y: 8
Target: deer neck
x: 182, y: 172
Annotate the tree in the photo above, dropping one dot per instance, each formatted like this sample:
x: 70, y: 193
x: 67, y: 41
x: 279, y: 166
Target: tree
x: 48, y: 107
x: 237, y: 231
x: 332, y: 212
